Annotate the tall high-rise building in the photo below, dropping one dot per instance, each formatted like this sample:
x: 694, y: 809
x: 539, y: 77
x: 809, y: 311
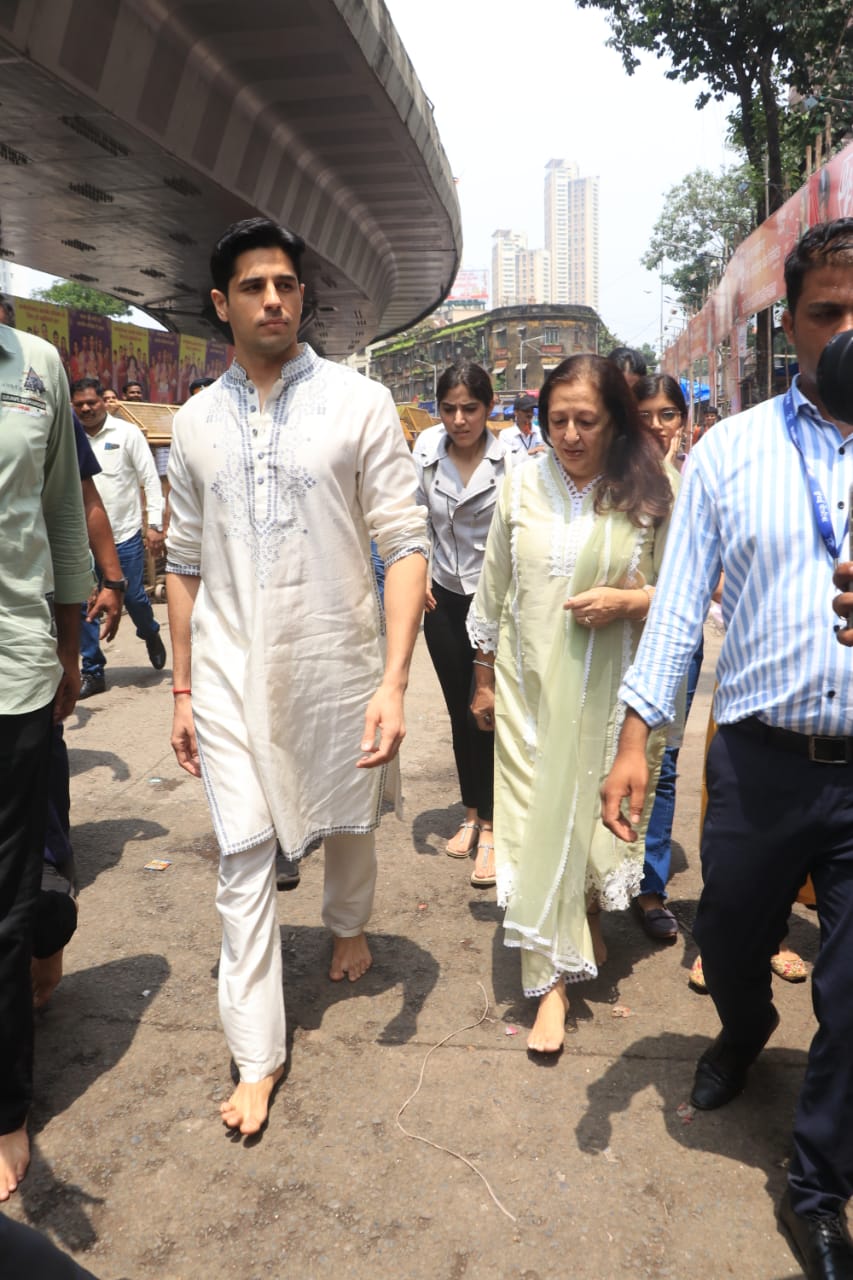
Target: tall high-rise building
x: 533, y: 269
x: 506, y: 247
x: 571, y: 233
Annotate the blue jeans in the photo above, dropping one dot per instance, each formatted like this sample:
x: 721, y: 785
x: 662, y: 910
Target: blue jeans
x: 659, y: 834
x: 131, y: 555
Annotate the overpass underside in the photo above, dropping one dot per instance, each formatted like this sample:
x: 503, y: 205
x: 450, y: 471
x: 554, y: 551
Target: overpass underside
x: 133, y: 131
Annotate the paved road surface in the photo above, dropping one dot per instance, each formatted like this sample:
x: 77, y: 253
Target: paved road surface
x: 134, y: 1174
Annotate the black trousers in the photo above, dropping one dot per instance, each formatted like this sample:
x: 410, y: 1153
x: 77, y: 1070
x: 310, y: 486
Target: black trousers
x: 774, y: 817
x: 24, y: 760
x: 453, y: 659
x: 28, y: 1255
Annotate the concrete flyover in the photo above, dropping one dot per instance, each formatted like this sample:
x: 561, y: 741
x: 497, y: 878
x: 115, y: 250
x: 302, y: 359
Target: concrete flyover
x: 133, y: 131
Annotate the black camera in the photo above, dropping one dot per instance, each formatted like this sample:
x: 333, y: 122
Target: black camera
x: 835, y: 376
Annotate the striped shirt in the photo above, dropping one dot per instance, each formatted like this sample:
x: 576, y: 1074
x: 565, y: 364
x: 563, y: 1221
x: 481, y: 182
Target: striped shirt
x: 746, y: 508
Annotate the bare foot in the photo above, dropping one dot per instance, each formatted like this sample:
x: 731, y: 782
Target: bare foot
x: 249, y: 1104
x: 14, y: 1159
x: 350, y: 956
x: 46, y: 975
x: 549, y: 1030
x: 599, y: 946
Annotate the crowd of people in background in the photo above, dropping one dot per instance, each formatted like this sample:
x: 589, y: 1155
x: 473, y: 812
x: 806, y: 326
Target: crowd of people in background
x: 563, y: 568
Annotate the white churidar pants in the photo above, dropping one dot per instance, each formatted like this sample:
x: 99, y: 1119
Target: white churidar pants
x: 251, y: 994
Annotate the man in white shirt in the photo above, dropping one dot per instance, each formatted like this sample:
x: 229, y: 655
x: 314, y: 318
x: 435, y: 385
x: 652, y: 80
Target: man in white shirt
x: 126, y: 464
x: 523, y: 439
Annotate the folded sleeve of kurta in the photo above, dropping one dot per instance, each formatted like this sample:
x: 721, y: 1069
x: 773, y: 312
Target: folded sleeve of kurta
x: 387, y: 483
x: 183, y: 542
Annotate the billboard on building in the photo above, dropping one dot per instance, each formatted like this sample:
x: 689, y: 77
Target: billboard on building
x: 470, y: 285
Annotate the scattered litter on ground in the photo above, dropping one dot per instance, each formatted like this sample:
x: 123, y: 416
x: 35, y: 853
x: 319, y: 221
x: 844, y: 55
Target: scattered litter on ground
x: 620, y: 1011
x: 510, y: 1031
x: 685, y: 1113
x: 157, y: 864
x: 422, y: 906
x: 154, y: 782
x: 609, y: 1156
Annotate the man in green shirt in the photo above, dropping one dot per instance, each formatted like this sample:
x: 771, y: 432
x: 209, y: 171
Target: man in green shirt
x: 45, y: 574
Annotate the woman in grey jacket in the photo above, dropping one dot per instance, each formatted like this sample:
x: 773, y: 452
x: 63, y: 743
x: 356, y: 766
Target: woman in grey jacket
x: 460, y: 467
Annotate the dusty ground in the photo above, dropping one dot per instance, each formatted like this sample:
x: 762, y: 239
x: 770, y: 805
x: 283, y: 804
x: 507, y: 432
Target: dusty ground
x: 135, y: 1176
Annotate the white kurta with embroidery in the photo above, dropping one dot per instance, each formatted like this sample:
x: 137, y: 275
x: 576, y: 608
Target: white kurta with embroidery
x: 274, y: 509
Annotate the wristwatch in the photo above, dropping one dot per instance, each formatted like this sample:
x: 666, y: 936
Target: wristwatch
x: 119, y: 585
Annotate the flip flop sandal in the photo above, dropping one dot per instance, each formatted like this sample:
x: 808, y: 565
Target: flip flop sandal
x: 484, y: 881
x: 793, y: 969
x: 463, y: 826
x: 697, y: 977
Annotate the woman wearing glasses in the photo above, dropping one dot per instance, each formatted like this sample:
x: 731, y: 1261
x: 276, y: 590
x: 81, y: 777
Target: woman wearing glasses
x: 662, y: 408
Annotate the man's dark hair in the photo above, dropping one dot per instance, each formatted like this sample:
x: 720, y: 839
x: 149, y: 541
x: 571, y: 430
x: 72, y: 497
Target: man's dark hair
x: 469, y: 375
x: 633, y: 480
x: 134, y: 382
x: 824, y: 245
x: 252, y: 233
x: 629, y: 360
x: 87, y: 384
x: 198, y: 384
x: 9, y: 307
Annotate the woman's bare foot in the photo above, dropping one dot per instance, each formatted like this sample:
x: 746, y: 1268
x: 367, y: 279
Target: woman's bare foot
x: 350, y: 957
x: 599, y: 946
x: 14, y: 1159
x: 465, y: 840
x: 248, y: 1107
x: 45, y: 974
x: 549, y: 1030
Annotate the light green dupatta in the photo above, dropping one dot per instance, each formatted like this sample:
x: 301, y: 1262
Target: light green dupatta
x: 564, y: 854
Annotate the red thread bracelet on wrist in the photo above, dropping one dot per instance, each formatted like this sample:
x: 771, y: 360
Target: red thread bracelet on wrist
x: 175, y: 692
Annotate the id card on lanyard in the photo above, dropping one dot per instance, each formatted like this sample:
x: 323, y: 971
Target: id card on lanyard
x: 820, y: 506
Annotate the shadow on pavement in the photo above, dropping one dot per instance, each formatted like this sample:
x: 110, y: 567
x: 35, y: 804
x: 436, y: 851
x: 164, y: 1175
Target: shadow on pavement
x: 100, y: 845
x: 432, y: 828
x: 397, y: 961
x: 752, y: 1130
x: 80, y: 1037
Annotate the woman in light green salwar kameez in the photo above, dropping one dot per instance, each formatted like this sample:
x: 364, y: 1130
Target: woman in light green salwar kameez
x: 571, y: 562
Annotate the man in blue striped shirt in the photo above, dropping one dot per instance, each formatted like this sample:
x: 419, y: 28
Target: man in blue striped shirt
x: 766, y: 500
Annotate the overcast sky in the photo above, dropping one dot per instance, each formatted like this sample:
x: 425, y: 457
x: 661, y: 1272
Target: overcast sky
x: 516, y: 83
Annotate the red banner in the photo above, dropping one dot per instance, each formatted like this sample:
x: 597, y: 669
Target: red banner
x: 754, y: 278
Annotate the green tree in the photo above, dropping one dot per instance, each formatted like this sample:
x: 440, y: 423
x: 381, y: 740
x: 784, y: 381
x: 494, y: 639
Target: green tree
x: 760, y: 51
x: 756, y: 50
x: 704, y: 219
x: 650, y: 356
x: 67, y: 293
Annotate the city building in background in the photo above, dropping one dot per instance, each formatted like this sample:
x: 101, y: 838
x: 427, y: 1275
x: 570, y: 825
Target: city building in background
x: 518, y: 345
x: 534, y: 276
x: 571, y: 233
x: 506, y: 248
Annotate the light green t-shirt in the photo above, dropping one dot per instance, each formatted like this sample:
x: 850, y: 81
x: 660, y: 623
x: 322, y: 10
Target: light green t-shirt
x: 44, y: 552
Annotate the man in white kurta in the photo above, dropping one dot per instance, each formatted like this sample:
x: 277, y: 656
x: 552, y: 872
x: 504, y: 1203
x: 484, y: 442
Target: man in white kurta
x: 280, y: 474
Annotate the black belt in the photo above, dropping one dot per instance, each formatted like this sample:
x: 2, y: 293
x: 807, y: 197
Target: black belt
x: 816, y: 747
